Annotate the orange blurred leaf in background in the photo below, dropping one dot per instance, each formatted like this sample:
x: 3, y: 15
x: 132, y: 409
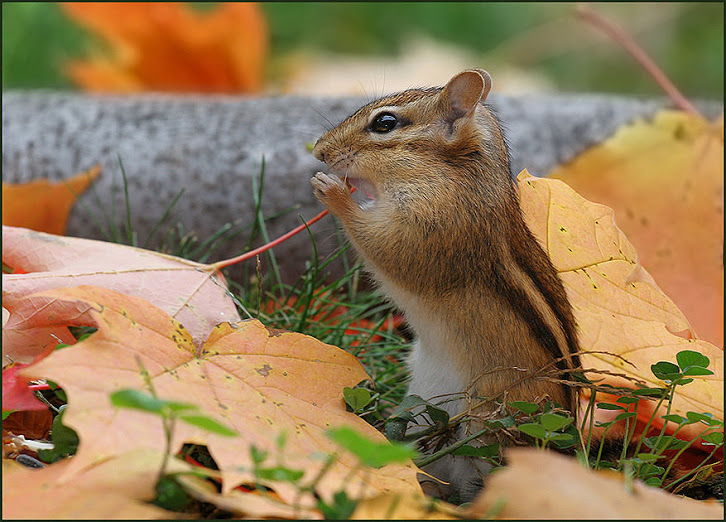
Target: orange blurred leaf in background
x: 664, y: 180
x: 172, y: 47
x: 43, y: 205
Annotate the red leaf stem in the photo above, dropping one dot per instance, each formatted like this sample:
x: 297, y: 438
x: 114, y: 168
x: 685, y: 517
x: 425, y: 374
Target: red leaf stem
x: 252, y: 253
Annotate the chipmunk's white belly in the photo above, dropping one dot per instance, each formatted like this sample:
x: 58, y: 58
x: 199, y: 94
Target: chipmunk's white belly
x: 434, y: 370
x: 436, y: 377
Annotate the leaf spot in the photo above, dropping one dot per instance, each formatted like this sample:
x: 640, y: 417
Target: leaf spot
x: 679, y: 133
x: 264, y: 371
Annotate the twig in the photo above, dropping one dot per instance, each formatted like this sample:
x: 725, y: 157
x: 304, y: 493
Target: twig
x: 252, y: 253
x: 621, y: 37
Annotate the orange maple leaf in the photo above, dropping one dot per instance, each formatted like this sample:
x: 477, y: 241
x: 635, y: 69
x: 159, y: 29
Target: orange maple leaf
x: 257, y: 382
x: 44, y: 205
x: 171, y: 47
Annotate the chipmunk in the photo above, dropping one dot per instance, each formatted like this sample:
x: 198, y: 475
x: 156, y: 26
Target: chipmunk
x: 444, y: 238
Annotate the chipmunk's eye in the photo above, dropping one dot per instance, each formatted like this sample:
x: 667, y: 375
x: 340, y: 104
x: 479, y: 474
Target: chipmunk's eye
x: 384, y: 122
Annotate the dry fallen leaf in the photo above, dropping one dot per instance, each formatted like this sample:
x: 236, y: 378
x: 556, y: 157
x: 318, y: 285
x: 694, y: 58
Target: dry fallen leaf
x: 194, y: 294
x: 118, y: 488
x: 664, y: 179
x: 545, y: 485
x: 172, y: 47
x: 33, y: 424
x: 618, y: 307
x: 43, y: 205
x: 260, y: 384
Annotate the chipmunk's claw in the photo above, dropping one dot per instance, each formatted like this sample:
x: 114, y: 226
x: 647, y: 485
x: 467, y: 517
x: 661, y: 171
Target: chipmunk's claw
x: 323, y: 182
x: 332, y: 192
x: 326, y: 185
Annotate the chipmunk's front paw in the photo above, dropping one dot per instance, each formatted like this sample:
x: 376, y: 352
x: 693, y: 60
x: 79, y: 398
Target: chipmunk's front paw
x: 332, y: 192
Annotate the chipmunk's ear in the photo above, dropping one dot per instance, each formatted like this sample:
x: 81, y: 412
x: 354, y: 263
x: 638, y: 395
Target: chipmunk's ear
x: 464, y: 91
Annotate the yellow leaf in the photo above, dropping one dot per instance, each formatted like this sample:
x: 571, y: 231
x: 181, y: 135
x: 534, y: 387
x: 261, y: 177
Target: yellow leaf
x: 43, y: 205
x: 664, y: 179
x: 618, y: 306
x: 170, y: 46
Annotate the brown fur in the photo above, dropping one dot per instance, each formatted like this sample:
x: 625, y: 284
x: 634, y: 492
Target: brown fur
x: 446, y: 229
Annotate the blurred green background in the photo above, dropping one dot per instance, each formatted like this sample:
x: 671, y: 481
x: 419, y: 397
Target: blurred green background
x: 685, y: 39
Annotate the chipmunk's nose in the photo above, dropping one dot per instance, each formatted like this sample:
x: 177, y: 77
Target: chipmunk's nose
x: 318, y: 151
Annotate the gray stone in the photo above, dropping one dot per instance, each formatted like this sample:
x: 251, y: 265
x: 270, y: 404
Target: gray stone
x: 213, y: 147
